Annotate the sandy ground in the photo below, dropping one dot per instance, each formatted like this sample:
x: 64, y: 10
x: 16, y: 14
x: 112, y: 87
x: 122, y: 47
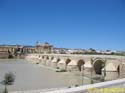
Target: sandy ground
x: 31, y: 76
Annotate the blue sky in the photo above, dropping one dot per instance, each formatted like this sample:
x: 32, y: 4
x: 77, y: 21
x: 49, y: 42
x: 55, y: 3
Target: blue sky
x: 98, y: 24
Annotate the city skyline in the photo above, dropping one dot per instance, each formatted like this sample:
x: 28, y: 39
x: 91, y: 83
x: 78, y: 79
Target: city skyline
x: 67, y: 23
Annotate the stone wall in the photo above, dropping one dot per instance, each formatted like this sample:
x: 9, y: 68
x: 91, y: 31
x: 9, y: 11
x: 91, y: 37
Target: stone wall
x: 3, y: 55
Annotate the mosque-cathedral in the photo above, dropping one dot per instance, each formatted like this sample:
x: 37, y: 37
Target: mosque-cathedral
x: 18, y: 51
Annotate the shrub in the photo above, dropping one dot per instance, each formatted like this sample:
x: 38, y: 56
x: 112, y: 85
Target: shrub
x: 62, y: 70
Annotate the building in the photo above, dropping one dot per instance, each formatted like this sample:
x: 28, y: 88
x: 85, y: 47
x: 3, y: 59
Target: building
x: 16, y: 49
x: 60, y: 51
x: 43, y: 48
x: 11, y: 51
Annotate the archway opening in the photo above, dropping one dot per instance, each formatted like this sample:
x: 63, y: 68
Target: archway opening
x: 79, y: 64
x: 47, y: 57
x: 68, y: 61
x: 98, y: 65
x: 58, y: 60
x: 52, y: 58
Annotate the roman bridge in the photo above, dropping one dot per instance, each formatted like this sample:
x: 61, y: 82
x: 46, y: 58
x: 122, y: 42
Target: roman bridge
x: 110, y: 65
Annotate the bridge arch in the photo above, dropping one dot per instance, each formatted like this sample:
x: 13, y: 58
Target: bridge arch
x: 67, y: 61
x: 98, y: 64
x: 48, y: 60
x: 58, y: 59
x: 52, y: 57
x: 39, y: 56
x: 55, y: 62
x: 62, y: 64
x: 42, y: 57
x: 47, y: 57
x: 80, y: 63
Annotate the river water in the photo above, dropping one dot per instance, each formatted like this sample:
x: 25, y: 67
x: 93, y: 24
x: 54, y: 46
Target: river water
x: 31, y: 76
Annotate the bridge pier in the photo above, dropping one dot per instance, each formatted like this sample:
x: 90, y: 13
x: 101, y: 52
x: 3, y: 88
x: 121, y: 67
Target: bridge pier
x: 48, y: 61
x: 54, y: 63
x: 106, y: 66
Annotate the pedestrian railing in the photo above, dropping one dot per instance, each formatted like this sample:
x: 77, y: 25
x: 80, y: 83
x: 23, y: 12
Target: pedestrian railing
x: 115, y: 86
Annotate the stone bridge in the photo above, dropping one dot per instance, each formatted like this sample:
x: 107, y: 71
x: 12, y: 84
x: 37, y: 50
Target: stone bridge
x: 109, y: 65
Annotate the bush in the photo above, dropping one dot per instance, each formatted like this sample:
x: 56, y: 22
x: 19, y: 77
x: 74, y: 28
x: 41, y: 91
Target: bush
x: 69, y: 86
x: 62, y: 70
x: 57, y: 68
x: 76, y: 85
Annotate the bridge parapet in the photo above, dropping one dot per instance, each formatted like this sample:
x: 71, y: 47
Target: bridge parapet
x: 74, y: 55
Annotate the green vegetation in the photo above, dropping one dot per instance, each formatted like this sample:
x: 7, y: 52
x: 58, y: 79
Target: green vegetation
x: 57, y: 68
x: 76, y: 85
x: 10, y: 56
x: 9, y: 79
x: 61, y: 70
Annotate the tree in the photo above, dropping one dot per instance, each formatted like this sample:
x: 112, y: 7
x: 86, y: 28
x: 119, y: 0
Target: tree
x: 9, y: 79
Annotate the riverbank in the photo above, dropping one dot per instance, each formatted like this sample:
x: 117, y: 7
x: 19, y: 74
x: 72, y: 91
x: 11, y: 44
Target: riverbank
x: 32, y: 77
